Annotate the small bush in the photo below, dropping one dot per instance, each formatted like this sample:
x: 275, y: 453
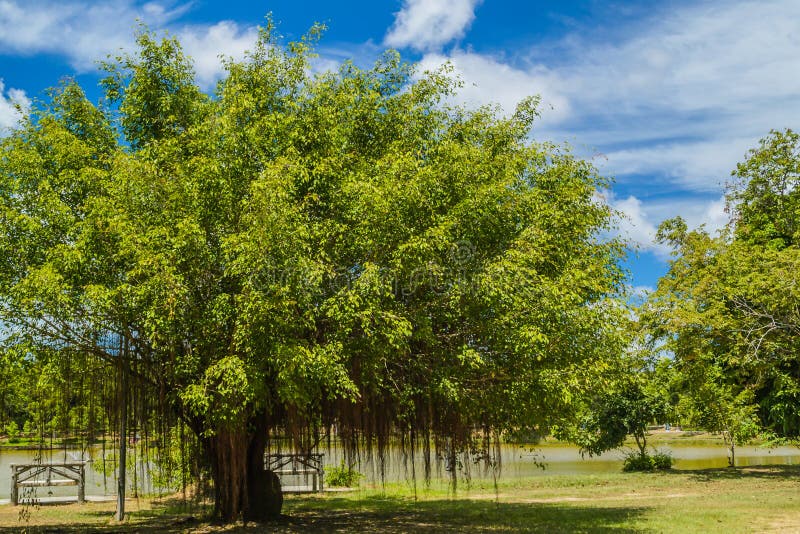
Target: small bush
x: 342, y: 476
x: 662, y: 460
x: 658, y: 461
x: 12, y: 430
x: 634, y: 461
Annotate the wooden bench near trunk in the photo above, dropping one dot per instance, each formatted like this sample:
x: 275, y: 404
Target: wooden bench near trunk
x: 303, y: 465
x: 39, y: 475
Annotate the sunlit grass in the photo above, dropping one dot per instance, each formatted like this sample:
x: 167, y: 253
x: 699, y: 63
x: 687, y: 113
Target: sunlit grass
x: 715, y: 500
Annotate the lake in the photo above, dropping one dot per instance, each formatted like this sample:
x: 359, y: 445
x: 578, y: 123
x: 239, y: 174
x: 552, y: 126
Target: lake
x: 517, y: 462
x: 521, y: 461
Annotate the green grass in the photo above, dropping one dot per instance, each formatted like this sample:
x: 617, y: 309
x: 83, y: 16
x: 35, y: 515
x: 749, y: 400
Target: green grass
x: 22, y: 442
x: 36, y: 443
x: 722, y: 500
x: 658, y: 438
x: 715, y: 500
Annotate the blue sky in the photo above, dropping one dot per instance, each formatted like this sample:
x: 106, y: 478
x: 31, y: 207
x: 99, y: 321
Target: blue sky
x: 666, y: 97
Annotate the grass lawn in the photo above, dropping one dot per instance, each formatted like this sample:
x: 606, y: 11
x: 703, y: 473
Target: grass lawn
x: 754, y: 499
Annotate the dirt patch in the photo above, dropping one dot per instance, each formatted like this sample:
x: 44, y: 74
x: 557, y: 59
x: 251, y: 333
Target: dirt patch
x: 788, y: 523
x: 571, y: 498
x: 553, y: 500
x: 761, y: 469
x: 650, y: 496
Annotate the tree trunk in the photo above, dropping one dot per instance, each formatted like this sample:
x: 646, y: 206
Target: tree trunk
x: 732, y: 451
x: 243, y: 488
x: 641, y: 441
x: 727, y: 437
x: 264, y: 496
x: 123, y: 436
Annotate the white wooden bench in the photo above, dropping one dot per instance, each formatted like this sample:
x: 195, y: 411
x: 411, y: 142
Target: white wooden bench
x: 301, y: 465
x: 45, y: 475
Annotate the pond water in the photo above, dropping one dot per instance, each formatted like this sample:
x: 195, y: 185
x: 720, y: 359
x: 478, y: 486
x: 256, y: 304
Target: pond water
x: 96, y: 482
x: 520, y: 461
x: 517, y: 462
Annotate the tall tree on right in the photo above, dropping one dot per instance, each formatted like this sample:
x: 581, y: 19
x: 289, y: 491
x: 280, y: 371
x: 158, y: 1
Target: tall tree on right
x: 729, y: 307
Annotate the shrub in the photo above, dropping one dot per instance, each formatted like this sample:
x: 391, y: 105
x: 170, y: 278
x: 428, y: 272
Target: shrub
x: 658, y: 461
x: 13, y: 432
x: 662, y: 460
x: 634, y: 461
x: 342, y: 476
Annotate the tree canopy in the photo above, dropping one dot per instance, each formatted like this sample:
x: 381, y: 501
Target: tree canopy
x: 304, y: 254
x: 728, y: 308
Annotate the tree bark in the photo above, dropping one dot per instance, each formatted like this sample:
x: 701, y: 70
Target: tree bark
x: 264, y: 495
x: 727, y: 437
x: 123, y: 434
x: 641, y: 442
x: 244, y: 489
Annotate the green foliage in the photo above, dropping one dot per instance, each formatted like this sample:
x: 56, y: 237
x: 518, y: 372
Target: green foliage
x: 16, y: 377
x: 636, y: 461
x: 662, y: 460
x: 765, y: 195
x: 627, y: 407
x: 303, y: 249
x: 174, y: 464
x: 12, y: 432
x: 728, y: 309
x: 154, y: 89
x: 644, y: 461
x: 711, y: 403
x: 342, y: 476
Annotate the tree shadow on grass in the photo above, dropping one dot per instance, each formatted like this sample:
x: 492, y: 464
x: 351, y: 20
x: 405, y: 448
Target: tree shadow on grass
x: 106, y: 524
x: 771, y: 472
x: 166, y: 515
x: 383, y: 514
x: 393, y: 515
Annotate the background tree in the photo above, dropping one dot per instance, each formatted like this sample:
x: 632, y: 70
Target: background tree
x: 633, y: 401
x: 710, y: 401
x: 728, y: 306
x: 17, y: 378
x: 304, y: 252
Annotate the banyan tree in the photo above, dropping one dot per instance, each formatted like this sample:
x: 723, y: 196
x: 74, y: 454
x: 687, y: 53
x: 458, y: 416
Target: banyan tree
x: 343, y: 253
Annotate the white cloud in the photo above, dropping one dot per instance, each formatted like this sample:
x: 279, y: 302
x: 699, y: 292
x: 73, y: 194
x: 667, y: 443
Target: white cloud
x: 691, y: 165
x: 85, y: 32
x: 697, y: 212
x: 690, y: 91
x: 9, y: 113
x: 677, y: 100
x: 637, y: 295
x: 487, y: 79
x: 430, y: 24
x: 206, y: 44
x: 82, y: 31
x: 679, y: 96
x: 639, y: 220
x: 636, y: 225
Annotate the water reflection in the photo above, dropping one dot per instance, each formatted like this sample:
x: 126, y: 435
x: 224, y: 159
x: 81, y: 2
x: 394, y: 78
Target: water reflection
x: 525, y: 461
x: 94, y: 481
x: 517, y: 462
